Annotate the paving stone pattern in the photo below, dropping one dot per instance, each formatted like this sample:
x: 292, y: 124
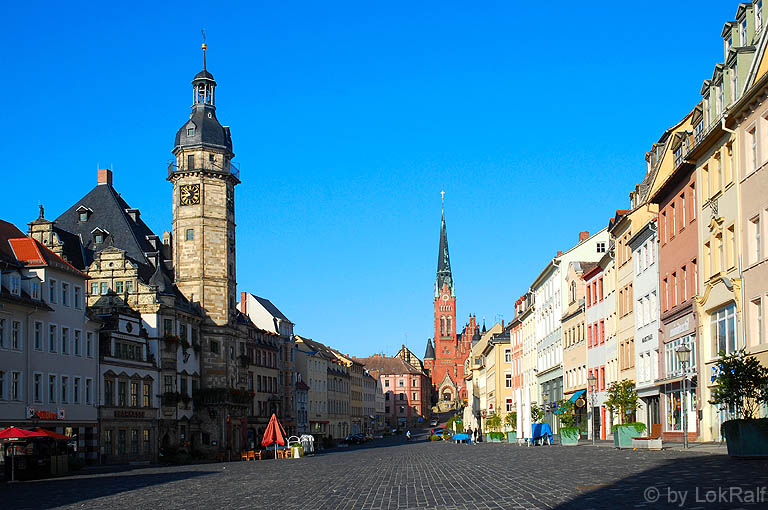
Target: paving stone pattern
x: 393, y: 474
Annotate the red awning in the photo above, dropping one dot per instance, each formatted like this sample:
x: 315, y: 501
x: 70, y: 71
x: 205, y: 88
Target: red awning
x: 12, y: 433
x: 53, y: 435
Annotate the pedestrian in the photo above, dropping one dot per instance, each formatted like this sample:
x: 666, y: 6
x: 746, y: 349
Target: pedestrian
x: 469, y: 434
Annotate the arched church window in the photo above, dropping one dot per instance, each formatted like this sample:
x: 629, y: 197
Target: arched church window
x: 442, y: 325
x: 448, y: 325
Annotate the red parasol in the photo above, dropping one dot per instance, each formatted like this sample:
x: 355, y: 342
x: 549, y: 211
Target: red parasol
x: 273, y: 434
x: 53, y: 435
x: 17, y: 433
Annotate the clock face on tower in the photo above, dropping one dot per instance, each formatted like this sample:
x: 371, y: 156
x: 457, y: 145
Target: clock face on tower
x: 445, y: 297
x: 189, y: 194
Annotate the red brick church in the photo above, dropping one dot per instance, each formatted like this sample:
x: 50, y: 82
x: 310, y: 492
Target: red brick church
x: 444, y: 360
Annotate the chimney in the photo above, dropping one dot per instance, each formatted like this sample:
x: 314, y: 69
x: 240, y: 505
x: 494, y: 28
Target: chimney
x: 583, y: 236
x: 105, y: 176
x: 502, y: 324
x: 244, y: 303
x: 559, y: 253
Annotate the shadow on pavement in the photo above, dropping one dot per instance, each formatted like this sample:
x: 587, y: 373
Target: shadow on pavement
x: 54, y: 492
x: 699, y: 481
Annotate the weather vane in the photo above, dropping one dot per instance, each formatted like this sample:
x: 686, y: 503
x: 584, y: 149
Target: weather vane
x: 442, y: 196
x: 203, y: 46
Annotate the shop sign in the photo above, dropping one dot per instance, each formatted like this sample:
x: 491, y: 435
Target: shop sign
x: 128, y: 413
x: 681, y: 326
x: 59, y: 414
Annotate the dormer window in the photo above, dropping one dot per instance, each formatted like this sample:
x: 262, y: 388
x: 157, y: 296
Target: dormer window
x: 134, y: 214
x: 99, y: 235
x: 15, y: 285
x: 83, y: 213
x: 734, y: 84
x: 191, y: 131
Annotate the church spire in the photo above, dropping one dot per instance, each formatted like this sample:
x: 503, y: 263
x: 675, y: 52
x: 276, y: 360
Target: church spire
x: 444, y: 275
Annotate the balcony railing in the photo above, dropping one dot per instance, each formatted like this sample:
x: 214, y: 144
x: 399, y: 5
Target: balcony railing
x: 230, y: 167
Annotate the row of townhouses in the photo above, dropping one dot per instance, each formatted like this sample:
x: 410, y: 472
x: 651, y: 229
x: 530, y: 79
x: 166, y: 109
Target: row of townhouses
x: 137, y: 345
x: 682, y: 264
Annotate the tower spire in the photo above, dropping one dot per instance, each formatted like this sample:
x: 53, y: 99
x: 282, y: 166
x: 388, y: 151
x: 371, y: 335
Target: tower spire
x: 204, y: 47
x: 444, y: 275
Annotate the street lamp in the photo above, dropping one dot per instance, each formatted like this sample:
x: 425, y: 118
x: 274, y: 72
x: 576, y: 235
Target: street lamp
x: 545, y: 399
x: 591, y: 381
x: 684, y: 357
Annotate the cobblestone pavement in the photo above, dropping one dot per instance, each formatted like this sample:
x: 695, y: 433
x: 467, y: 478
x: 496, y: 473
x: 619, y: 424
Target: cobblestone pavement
x: 393, y: 474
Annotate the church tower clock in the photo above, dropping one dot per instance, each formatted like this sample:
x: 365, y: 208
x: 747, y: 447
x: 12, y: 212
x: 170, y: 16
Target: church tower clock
x: 204, y: 179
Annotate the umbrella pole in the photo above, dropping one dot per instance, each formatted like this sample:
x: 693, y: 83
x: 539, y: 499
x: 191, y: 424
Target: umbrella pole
x: 275, y: 451
x: 13, y: 465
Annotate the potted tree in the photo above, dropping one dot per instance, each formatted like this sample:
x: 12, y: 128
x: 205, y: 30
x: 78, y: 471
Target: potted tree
x: 742, y: 388
x: 622, y: 399
x: 510, y: 420
x: 568, y: 432
x: 493, y: 424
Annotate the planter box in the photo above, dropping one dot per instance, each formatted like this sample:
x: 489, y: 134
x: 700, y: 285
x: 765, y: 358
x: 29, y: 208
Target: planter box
x: 623, y: 434
x: 491, y: 439
x: 569, y: 436
x: 646, y: 444
x: 511, y: 437
x: 746, y: 438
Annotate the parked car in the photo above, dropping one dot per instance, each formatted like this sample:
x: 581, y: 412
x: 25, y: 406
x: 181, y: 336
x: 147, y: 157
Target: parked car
x: 438, y: 431
x: 355, y: 439
x: 433, y: 423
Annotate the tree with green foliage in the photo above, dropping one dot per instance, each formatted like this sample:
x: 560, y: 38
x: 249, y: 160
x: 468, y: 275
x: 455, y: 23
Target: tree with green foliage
x: 622, y: 397
x: 510, y: 420
x: 493, y: 422
x: 536, y: 414
x: 565, y: 410
x: 742, y: 384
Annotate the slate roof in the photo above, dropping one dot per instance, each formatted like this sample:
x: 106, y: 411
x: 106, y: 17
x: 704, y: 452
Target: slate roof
x: 430, y: 352
x: 271, y: 308
x: 207, y: 132
x: 384, y: 365
x: 108, y: 214
x: 443, y: 259
x: 8, y: 231
x: 203, y: 75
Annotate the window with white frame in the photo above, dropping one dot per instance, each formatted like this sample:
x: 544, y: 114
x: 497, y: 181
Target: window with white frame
x: 64, y: 340
x: 38, y: 336
x: 16, y: 335
x: 16, y: 386
x: 53, y: 338
x: 743, y: 33
x: 15, y: 284
x: 64, y: 389
x: 734, y: 84
x: 77, y: 340
x: 2, y: 385
x: 51, y: 388
x: 507, y: 380
x: 507, y: 355
x: 755, y: 248
x: 35, y: 290
x: 724, y: 330
x: 756, y: 333
x: 65, y: 293
x: 674, y: 367
x: 37, y: 388
x: 758, y: 15
x: 52, y: 290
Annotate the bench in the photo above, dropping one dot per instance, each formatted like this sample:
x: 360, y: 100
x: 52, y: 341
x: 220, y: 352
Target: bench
x: 651, y: 441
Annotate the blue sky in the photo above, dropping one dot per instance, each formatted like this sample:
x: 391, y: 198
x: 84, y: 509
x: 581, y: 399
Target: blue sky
x: 348, y: 119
